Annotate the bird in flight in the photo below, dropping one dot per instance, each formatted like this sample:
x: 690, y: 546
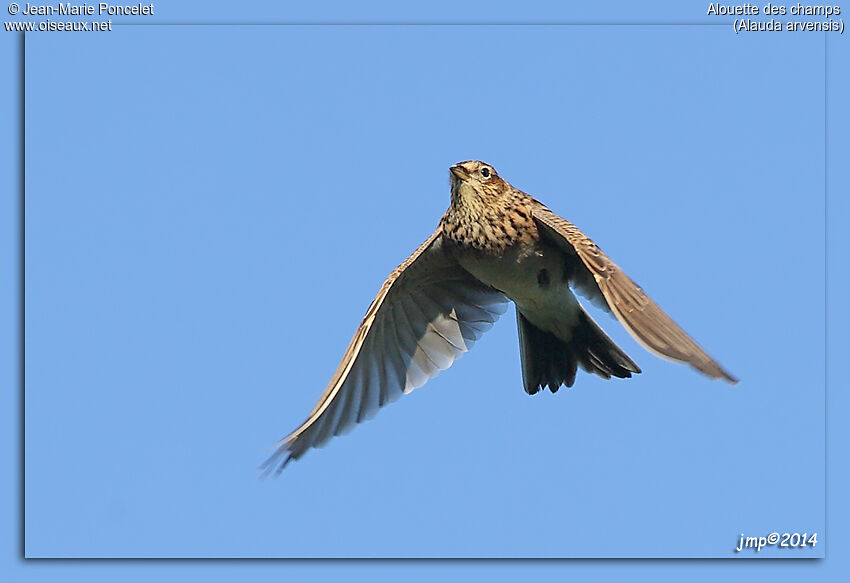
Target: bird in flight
x: 495, y: 243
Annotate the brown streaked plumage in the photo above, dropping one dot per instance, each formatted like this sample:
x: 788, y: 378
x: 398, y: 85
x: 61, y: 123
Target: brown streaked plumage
x: 494, y: 243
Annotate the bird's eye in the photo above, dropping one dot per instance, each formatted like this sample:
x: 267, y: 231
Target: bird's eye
x: 485, y: 172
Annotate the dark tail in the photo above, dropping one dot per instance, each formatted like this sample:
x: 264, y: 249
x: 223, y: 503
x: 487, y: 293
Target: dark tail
x: 548, y: 360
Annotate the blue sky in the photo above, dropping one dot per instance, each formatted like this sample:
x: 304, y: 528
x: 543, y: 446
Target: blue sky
x: 210, y: 210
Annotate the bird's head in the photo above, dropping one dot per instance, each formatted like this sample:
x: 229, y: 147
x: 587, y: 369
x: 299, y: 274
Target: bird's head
x: 475, y: 182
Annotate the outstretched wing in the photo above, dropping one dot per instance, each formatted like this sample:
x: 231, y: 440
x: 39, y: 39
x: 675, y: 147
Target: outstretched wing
x: 428, y: 312
x: 633, y: 308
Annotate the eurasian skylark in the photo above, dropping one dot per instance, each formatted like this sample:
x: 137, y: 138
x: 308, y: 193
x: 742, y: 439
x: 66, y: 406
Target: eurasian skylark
x: 494, y: 243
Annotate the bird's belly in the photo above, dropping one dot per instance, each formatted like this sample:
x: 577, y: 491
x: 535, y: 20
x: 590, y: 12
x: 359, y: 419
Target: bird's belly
x: 534, y: 279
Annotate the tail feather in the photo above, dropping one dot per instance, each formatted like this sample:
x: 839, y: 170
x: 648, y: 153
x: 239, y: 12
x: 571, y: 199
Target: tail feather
x: 549, y: 361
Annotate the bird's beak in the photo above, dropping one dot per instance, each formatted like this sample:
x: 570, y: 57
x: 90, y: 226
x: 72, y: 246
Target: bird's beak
x: 458, y: 171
